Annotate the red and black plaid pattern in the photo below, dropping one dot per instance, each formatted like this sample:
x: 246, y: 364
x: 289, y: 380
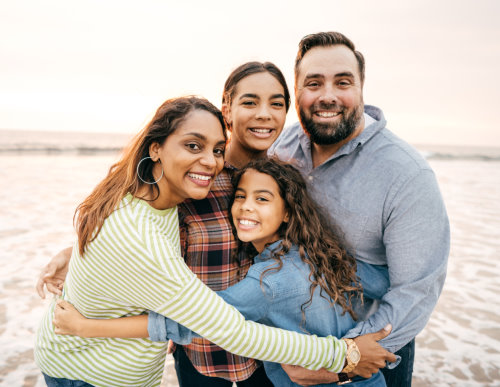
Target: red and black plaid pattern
x: 209, y: 248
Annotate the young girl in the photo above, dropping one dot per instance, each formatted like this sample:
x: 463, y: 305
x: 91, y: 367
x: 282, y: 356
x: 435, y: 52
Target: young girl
x: 302, y: 279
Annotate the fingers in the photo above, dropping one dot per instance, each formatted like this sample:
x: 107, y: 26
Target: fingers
x: 384, y: 332
x: 363, y: 374
x: 41, y: 281
x: 391, y: 357
x: 63, y: 304
x: 289, y: 367
x: 60, y: 311
x: 57, y: 329
x: 39, y: 288
x: 45, y: 279
x: 54, y: 288
x: 171, y: 347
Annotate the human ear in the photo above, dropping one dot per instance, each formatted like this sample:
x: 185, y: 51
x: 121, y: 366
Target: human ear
x: 286, y: 218
x: 226, y: 113
x: 154, y: 151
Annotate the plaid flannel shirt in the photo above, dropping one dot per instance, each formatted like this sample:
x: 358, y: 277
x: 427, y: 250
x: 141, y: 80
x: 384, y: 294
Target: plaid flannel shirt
x: 209, y: 249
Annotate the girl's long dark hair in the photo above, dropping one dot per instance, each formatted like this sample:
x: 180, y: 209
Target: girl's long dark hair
x: 333, y: 269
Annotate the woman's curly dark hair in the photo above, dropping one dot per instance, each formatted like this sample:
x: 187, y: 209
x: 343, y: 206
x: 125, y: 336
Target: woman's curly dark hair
x: 333, y: 269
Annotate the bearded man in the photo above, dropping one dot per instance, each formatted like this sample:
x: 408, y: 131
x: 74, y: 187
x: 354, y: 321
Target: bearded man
x: 377, y: 188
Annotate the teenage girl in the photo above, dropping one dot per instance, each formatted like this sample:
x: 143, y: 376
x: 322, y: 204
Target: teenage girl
x: 255, y: 101
x: 302, y: 279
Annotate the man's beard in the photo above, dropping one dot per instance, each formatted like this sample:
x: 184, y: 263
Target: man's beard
x: 331, y: 133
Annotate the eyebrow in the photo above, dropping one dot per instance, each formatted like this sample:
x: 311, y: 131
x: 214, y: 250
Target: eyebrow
x: 309, y: 76
x: 345, y: 74
x: 196, y: 134
x: 279, y: 95
x: 264, y: 191
x: 338, y: 75
x: 202, y: 137
x: 251, y: 95
x: 258, y: 191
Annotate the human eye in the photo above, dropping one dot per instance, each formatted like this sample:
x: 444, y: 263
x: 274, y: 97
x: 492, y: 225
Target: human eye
x: 312, y: 84
x: 219, y: 152
x: 193, y: 146
x: 261, y: 198
x: 344, y: 83
x: 239, y: 196
x: 278, y: 104
x: 248, y: 103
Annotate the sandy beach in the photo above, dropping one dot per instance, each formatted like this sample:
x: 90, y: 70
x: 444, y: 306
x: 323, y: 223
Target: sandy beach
x: 459, y: 346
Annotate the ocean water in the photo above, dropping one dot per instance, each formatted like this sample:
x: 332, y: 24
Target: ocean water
x: 46, y: 175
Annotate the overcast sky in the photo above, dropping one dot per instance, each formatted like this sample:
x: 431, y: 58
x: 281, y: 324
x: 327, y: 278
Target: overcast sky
x: 105, y: 65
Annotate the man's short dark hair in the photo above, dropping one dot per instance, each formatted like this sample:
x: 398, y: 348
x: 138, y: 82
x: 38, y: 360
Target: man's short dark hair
x: 325, y: 39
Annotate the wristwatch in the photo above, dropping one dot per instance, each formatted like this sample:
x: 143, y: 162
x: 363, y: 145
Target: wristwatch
x: 343, y: 379
x: 352, y: 356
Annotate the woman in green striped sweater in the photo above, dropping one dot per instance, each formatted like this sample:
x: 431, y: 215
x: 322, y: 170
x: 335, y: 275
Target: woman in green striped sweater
x: 127, y: 260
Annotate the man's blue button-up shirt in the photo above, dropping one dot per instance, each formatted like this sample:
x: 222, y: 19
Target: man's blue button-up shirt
x: 385, y: 198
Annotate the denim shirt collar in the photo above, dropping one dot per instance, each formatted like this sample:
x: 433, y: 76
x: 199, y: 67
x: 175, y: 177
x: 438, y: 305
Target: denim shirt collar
x: 358, y: 141
x: 266, y: 254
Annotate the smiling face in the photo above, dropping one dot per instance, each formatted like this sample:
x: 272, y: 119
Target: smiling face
x: 191, y: 158
x: 258, y: 209
x: 257, y: 112
x: 329, y: 96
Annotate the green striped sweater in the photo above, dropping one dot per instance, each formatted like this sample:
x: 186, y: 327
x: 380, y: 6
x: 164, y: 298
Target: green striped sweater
x: 134, y: 265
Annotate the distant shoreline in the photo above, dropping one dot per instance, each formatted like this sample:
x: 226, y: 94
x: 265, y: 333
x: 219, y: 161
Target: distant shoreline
x: 28, y: 142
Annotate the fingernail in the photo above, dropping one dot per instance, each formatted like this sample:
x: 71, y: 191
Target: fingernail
x: 388, y: 327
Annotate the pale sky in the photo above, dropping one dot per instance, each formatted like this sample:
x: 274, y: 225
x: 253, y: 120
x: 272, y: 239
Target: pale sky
x: 105, y: 65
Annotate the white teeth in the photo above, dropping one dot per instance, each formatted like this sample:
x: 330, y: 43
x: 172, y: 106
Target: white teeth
x: 199, y: 177
x: 247, y: 222
x: 263, y: 131
x: 327, y: 114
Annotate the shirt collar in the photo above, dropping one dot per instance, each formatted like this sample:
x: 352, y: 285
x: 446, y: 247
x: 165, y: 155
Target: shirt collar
x: 267, y: 253
x: 374, y: 120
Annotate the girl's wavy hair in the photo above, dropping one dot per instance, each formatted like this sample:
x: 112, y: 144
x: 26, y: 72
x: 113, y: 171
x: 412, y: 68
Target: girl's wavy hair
x: 122, y: 176
x: 333, y: 269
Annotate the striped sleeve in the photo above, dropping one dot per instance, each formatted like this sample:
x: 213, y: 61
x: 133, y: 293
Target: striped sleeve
x: 200, y: 309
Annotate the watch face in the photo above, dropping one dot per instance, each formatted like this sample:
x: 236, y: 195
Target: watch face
x: 355, y: 356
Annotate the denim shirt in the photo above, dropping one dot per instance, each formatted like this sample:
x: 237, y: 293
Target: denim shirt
x: 275, y: 299
x: 385, y: 198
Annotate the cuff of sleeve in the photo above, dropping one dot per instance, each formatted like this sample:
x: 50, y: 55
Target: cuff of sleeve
x: 156, y: 327
x: 340, y: 349
x: 353, y: 333
x: 178, y: 333
x: 390, y: 366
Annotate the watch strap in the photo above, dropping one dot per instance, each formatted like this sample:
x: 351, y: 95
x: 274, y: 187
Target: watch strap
x: 343, y: 378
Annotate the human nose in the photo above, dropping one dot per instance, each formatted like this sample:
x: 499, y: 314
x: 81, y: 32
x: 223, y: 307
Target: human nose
x: 263, y: 112
x: 208, y: 159
x: 246, y: 205
x: 328, y: 94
